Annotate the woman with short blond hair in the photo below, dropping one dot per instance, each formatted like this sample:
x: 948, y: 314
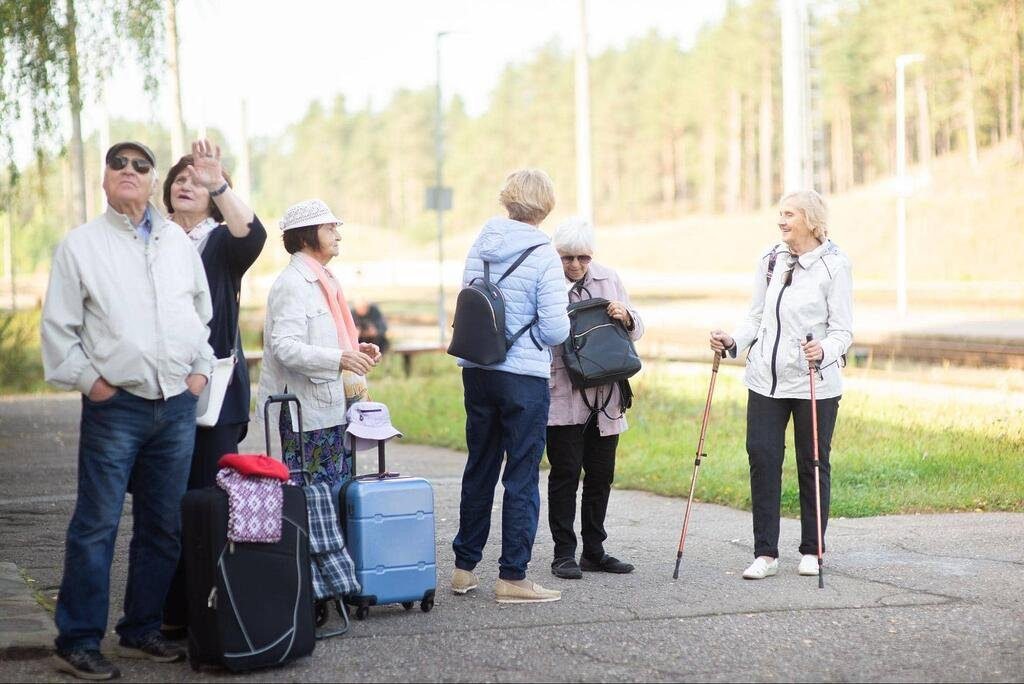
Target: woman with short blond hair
x: 507, y: 402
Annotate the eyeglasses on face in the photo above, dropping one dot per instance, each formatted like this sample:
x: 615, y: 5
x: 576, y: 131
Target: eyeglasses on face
x: 583, y: 259
x: 140, y: 165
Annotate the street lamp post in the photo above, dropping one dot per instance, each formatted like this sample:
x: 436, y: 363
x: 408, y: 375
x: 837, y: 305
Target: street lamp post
x: 901, y: 181
x: 438, y: 192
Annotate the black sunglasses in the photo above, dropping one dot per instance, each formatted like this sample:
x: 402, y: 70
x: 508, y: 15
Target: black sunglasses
x: 584, y: 259
x: 140, y: 165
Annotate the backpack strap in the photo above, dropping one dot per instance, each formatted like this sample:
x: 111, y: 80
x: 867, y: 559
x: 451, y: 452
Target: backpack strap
x: 515, y: 264
x: 578, y: 289
x: 771, y: 264
x: 528, y: 326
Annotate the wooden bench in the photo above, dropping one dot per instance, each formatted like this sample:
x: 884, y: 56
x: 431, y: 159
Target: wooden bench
x: 408, y: 351
x: 253, y: 358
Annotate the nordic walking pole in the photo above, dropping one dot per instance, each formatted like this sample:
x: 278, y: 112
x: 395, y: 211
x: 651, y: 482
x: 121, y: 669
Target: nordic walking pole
x: 696, y: 463
x: 817, y: 464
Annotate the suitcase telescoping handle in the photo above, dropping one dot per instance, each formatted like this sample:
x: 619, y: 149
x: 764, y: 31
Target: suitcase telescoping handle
x: 382, y: 471
x: 286, y: 399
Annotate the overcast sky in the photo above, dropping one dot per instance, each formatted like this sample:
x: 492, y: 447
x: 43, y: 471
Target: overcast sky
x: 280, y: 56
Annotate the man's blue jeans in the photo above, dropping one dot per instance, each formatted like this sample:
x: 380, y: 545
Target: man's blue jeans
x: 149, y: 441
x: 506, y: 416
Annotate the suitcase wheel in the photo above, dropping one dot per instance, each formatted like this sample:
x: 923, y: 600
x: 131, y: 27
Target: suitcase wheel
x: 362, y: 612
x: 408, y: 604
x: 426, y: 604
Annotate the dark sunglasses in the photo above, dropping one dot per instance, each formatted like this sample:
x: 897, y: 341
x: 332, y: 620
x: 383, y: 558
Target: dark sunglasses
x: 584, y: 259
x: 140, y: 165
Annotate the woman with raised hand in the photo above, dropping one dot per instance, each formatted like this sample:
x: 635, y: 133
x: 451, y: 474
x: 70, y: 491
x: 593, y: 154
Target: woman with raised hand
x: 197, y: 195
x: 803, y: 286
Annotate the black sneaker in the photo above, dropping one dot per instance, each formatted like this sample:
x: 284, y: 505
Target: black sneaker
x: 606, y: 564
x: 85, y: 665
x: 153, y: 647
x: 566, y: 568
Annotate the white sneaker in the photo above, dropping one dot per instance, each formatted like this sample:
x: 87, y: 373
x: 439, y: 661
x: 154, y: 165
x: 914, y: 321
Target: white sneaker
x: 808, y: 565
x: 763, y: 567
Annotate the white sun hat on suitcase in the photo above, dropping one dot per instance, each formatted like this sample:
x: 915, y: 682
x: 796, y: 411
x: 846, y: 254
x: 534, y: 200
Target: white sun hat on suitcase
x: 369, y: 422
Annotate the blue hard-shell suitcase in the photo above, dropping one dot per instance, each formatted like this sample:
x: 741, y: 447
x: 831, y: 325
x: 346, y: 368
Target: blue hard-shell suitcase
x: 389, y: 528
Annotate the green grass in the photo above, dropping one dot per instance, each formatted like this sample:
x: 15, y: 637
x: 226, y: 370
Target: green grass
x: 889, y: 455
x: 21, y: 366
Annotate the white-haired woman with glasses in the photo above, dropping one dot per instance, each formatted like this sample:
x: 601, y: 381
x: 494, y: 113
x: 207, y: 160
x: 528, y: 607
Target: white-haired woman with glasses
x: 803, y: 286
x: 584, y: 429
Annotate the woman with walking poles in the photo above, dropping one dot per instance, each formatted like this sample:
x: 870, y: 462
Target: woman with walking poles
x: 797, y: 332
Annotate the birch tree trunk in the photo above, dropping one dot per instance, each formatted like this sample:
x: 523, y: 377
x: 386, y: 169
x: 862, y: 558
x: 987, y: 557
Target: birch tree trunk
x: 709, y: 149
x: 177, y: 119
x: 766, y: 133
x: 924, y: 127
x: 78, y: 208
x: 734, y: 156
x: 970, y: 120
x: 1015, y: 85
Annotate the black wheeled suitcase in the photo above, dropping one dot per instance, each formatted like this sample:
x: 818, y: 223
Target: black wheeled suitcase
x: 249, y: 605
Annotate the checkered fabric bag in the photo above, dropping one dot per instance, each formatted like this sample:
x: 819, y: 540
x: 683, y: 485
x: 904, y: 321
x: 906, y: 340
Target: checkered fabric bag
x: 334, y: 573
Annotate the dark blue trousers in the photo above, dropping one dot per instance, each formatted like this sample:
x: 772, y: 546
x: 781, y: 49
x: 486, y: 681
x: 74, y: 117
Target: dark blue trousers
x: 149, y: 441
x: 506, y: 419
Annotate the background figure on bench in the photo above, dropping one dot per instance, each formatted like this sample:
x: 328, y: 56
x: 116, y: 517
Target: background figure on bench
x: 371, y: 324
x: 311, y: 346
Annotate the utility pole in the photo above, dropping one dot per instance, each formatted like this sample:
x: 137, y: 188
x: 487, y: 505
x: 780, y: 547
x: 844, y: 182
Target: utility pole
x: 902, y: 189
x: 796, y: 119
x: 584, y: 173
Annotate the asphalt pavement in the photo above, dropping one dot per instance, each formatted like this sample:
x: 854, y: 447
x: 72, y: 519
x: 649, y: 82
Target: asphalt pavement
x: 906, y: 598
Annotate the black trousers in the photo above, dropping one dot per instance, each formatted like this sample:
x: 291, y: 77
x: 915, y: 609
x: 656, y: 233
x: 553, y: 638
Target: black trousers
x: 211, y: 444
x: 572, y: 448
x: 767, y: 420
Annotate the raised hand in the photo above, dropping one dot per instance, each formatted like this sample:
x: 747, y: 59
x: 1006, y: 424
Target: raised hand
x: 205, y: 169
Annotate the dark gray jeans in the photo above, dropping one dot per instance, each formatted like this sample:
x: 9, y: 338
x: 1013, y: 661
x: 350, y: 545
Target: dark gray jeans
x: 767, y: 420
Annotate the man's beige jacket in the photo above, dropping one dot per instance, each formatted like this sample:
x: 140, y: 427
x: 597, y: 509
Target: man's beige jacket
x: 131, y: 311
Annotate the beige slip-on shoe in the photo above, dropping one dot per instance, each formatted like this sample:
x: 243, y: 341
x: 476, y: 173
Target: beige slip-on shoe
x: 463, y: 581
x: 523, y: 591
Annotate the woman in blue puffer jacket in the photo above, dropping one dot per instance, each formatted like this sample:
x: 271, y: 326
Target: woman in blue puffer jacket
x: 507, y: 403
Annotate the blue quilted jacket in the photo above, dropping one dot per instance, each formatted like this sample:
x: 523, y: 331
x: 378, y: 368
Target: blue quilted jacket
x: 536, y: 287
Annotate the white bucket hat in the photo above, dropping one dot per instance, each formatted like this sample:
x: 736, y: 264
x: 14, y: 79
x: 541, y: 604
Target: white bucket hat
x: 369, y: 422
x: 312, y: 212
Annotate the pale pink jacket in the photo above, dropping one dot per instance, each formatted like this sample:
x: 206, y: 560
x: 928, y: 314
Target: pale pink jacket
x: 567, y: 406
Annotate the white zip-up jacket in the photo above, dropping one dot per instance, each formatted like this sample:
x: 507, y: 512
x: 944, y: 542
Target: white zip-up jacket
x: 134, y: 312
x: 810, y: 294
x: 300, y: 351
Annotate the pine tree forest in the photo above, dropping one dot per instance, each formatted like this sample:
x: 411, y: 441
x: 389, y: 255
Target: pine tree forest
x: 674, y: 131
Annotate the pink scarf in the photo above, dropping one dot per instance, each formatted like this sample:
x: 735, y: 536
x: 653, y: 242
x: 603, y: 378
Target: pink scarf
x: 348, y: 336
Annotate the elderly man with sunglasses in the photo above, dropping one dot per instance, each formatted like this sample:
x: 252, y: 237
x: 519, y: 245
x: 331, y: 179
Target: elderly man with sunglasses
x: 125, y: 323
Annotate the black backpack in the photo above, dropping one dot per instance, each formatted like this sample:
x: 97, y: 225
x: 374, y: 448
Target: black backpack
x: 479, y: 327
x: 598, y: 351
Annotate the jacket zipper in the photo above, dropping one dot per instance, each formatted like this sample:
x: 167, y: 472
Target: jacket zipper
x: 778, y: 332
